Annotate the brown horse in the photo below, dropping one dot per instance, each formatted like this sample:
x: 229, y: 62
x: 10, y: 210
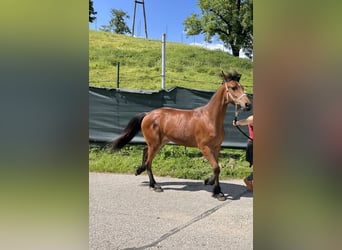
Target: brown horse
x: 200, y: 127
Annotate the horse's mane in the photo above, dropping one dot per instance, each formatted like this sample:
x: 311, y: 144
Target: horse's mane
x: 231, y: 76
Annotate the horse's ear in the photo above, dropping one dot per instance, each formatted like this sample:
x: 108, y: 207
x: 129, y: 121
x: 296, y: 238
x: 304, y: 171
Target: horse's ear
x: 224, y: 76
x: 238, y: 77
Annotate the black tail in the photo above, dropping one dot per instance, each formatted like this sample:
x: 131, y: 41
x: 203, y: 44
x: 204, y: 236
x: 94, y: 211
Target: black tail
x: 131, y: 130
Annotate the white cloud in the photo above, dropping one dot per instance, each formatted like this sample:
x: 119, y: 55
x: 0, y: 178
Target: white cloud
x: 212, y: 46
x: 217, y: 46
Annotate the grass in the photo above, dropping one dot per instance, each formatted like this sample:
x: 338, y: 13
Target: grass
x: 140, y: 68
x: 140, y: 64
x: 174, y: 161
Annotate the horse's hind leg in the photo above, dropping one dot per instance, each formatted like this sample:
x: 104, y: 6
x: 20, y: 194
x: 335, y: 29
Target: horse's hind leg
x: 153, y: 183
x: 151, y: 152
x: 142, y: 167
x: 146, y: 164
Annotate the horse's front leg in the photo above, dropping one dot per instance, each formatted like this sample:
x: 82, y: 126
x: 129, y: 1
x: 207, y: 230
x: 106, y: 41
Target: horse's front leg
x: 214, y: 180
x: 212, y: 156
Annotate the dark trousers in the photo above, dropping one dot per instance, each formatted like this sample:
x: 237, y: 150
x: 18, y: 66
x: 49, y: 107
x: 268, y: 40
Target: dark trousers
x: 249, y: 157
x: 250, y: 177
x: 249, y: 153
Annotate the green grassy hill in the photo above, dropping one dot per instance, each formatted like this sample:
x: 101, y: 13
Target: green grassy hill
x: 140, y: 64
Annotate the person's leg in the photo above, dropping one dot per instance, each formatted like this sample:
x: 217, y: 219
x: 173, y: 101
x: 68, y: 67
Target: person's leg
x: 249, y: 153
x: 249, y: 181
x: 250, y: 177
x: 249, y: 157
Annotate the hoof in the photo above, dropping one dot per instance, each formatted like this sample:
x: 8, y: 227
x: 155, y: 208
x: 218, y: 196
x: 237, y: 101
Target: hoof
x: 207, y: 182
x: 156, y: 188
x: 140, y: 170
x: 217, y: 190
x: 220, y: 197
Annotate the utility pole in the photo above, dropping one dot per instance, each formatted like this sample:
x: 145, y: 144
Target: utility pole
x: 163, y: 59
x: 135, y: 7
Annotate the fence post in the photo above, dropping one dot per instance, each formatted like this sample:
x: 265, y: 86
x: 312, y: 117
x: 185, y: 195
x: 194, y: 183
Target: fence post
x: 163, y: 60
x: 118, y: 75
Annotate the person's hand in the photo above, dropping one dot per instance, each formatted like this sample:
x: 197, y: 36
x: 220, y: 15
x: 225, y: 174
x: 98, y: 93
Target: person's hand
x: 234, y: 123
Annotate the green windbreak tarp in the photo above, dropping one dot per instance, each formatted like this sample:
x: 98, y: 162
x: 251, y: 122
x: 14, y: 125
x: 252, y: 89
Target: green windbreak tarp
x: 111, y: 109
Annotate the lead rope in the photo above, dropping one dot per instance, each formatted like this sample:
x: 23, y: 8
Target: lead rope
x: 235, y: 120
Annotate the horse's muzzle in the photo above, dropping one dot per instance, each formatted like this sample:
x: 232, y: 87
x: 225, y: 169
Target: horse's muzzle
x: 248, y: 107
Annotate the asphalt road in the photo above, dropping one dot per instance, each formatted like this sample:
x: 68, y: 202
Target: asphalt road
x: 125, y: 214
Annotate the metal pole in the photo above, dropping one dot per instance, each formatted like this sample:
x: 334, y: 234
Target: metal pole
x: 163, y: 60
x: 135, y: 7
x: 143, y: 4
x: 118, y: 76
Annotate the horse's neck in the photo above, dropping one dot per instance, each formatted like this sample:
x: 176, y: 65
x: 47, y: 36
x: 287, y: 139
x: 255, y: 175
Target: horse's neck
x: 217, y: 106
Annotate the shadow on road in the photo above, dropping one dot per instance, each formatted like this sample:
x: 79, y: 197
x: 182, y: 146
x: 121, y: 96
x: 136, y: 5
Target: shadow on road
x: 234, y: 191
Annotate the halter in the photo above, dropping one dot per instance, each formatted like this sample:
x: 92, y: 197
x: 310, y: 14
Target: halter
x: 230, y: 95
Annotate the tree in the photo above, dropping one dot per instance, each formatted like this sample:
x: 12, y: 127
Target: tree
x: 92, y: 12
x: 117, y: 23
x: 230, y: 20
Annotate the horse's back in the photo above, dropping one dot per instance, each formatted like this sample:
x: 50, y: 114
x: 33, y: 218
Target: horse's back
x: 169, y: 124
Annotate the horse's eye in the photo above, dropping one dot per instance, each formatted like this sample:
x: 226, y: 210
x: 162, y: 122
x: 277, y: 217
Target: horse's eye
x: 234, y: 88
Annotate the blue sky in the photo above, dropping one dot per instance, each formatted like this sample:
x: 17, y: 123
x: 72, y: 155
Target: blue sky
x: 161, y: 17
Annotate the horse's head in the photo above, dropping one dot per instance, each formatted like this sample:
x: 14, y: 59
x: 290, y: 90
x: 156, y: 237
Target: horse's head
x: 235, y: 92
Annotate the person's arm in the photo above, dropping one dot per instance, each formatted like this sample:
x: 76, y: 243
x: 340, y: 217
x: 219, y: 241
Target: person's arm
x: 244, y: 122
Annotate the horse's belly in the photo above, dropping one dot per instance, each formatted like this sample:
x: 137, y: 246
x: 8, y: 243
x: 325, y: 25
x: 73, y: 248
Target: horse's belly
x: 187, y: 141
